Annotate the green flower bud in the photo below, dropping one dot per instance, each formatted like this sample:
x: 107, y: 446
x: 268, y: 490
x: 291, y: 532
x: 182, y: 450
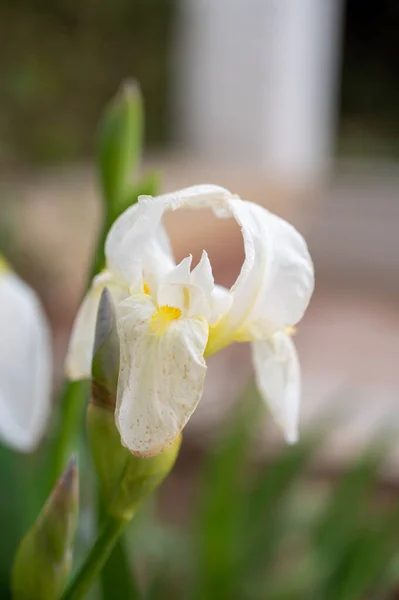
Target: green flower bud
x: 120, y: 143
x: 43, y: 560
x: 125, y: 479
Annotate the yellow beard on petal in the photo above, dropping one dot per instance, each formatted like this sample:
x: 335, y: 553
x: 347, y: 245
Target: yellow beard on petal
x: 163, y: 317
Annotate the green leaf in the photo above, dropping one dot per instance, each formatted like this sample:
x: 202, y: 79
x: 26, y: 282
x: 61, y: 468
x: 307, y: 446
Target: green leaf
x: 346, y: 509
x: 267, y: 508
x: 218, y: 526
x: 365, y: 560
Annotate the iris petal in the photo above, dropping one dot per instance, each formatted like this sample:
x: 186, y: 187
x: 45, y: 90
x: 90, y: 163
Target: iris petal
x: 25, y: 365
x: 161, y: 376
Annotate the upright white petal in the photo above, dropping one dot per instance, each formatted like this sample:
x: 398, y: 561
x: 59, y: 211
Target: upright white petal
x: 202, y: 283
x: 279, y: 380
x: 276, y: 280
x: 221, y: 301
x: 199, y: 196
x: 189, y: 291
x: 124, y: 224
x: 25, y: 365
x: 161, y: 375
x: 174, y: 287
x: 80, y: 349
x: 202, y: 275
x: 137, y: 246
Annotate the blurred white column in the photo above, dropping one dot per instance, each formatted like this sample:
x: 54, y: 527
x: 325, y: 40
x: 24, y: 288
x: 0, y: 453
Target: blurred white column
x: 300, y: 87
x: 256, y: 82
x: 218, y: 92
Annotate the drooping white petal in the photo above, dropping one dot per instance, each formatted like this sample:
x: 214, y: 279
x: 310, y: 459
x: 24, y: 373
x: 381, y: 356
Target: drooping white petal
x: 161, y: 375
x: 25, y: 365
x: 276, y: 280
x: 279, y: 380
x: 80, y: 350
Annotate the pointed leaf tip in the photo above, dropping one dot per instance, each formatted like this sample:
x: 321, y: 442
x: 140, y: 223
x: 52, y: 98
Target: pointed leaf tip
x: 69, y: 478
x: 130, y: 88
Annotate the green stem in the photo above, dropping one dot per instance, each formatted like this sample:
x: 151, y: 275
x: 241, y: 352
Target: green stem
x: 73, y: 398
x: 72, y: 408
x: 106, y: 540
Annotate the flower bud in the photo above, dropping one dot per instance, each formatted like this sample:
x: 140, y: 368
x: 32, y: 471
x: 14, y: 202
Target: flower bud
x: 125, y: 479
x: 121, y: 133
x: 43, y: 560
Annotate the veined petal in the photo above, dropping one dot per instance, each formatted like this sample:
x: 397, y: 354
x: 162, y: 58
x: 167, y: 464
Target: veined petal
x: 276, y: 280
x: 161, y: 375
x: 25, y: 365
x: 279, y: 380
x: 80, y: 349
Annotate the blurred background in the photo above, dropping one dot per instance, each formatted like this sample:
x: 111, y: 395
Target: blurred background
x: 292, y: 104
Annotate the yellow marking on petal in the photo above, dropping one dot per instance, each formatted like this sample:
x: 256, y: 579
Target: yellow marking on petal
x: 219, y: 338
x: 146, y: 289
x: 290, y: 330
x: 163, y: 317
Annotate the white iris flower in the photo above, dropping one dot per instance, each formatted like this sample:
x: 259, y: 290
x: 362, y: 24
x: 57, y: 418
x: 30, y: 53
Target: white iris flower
x: 170, y: 317
x: 25, y: 363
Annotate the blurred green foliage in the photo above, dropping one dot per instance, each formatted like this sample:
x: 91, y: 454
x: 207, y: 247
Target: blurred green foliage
x: 62, y: 60
x: 271, y: 531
